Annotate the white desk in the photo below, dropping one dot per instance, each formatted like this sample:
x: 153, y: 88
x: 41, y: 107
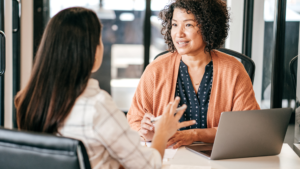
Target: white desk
x: 296, y: 148
x: 287, y: 159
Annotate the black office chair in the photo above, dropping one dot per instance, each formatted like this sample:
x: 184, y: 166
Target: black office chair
x: 28, y: 150
x: 246, y: 61
x: 293, y: 69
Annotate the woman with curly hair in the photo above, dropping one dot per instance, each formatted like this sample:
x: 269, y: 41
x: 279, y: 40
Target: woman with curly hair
x: 209, y: 82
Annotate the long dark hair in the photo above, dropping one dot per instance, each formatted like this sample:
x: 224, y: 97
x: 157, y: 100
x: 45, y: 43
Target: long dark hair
x: 62, y: 67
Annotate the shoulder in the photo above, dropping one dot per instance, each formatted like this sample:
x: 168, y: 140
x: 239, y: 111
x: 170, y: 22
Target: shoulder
x: 227, y: 60
x: 101, y: 107
x: 97, y: 99
x: 164, y: 59
x: 228, y: 64
x: 105, y: 103
x: 161, y: 63
x: 107, y: 115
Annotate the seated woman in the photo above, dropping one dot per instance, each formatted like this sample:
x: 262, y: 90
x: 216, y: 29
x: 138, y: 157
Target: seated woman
x: 60, y: 98
x: 209, y: 82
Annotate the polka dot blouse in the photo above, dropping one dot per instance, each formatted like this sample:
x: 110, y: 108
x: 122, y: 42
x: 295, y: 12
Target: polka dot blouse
x: 197, y: 104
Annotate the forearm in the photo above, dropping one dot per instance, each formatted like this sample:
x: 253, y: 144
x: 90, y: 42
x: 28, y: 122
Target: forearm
x: 134, y: 121
x: 159, y: 143
x: 204, y: 135
x: 136, y: 126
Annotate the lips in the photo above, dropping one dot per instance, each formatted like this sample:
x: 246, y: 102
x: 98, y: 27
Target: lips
x: 182, y: 43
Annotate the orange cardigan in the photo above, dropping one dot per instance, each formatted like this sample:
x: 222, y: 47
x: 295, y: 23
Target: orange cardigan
x: 231, y: 88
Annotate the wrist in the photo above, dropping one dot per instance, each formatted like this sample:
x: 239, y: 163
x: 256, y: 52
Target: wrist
x: 161, y: 135
x: 194, y: 135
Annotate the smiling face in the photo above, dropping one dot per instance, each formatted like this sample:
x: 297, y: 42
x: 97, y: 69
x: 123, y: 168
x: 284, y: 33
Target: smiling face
x: 186, y: 35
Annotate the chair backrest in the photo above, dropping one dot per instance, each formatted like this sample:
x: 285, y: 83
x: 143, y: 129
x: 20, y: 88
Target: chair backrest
x: 28, y: 150
x: 246, y: 61
x: 293, y: 70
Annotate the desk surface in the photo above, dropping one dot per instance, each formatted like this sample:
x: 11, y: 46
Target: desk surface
x: 296, y: 148
x: 287, y: 159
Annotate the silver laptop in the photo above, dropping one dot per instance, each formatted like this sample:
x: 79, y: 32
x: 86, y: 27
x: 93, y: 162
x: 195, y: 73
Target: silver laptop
x: 247, y: 134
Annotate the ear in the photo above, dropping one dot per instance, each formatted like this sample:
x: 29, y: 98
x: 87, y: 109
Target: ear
x: 98, y: 57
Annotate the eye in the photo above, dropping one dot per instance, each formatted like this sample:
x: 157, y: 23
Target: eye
x: 189, y: 25
x: 174, y: 24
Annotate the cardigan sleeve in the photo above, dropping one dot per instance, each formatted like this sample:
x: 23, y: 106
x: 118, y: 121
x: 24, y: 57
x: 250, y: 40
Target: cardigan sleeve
x: 244, y: 97
x: 142, y: 101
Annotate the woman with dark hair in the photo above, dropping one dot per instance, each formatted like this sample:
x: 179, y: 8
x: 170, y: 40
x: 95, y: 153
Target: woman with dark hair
x: 61, y: 99
x: 209, y: 82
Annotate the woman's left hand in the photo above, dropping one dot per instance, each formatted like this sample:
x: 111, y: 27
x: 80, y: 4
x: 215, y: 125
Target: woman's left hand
x: 185, y: 137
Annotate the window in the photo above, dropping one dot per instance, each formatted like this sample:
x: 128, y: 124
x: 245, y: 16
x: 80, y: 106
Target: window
x: 122, y: 36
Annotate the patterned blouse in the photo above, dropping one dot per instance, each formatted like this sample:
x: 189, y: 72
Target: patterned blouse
x: 197, y: 104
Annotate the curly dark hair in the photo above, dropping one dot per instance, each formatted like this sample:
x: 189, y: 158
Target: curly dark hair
x: 211, y: 16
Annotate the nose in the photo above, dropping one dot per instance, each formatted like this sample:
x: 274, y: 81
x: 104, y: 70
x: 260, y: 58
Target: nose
x: 180, y: 32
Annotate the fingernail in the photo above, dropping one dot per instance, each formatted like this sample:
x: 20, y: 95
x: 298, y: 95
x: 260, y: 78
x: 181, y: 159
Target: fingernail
x: 177, y: 97
x: 194, y: 121
x: 184, y: 106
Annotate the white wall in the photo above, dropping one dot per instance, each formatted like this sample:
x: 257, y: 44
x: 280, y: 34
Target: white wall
x: 26, y: 53
x: 8, y: 98
x: 258, y: 46
x: 235, y: 34
x: 26, y: 40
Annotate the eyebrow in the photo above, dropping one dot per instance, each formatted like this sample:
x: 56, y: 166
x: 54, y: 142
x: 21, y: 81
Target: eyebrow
x: 185, y: 20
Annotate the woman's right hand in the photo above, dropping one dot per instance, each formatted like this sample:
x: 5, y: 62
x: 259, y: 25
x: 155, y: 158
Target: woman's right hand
x: 147, y: 128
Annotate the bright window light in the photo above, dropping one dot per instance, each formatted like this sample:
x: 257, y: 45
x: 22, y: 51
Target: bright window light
x: 126, y: 17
